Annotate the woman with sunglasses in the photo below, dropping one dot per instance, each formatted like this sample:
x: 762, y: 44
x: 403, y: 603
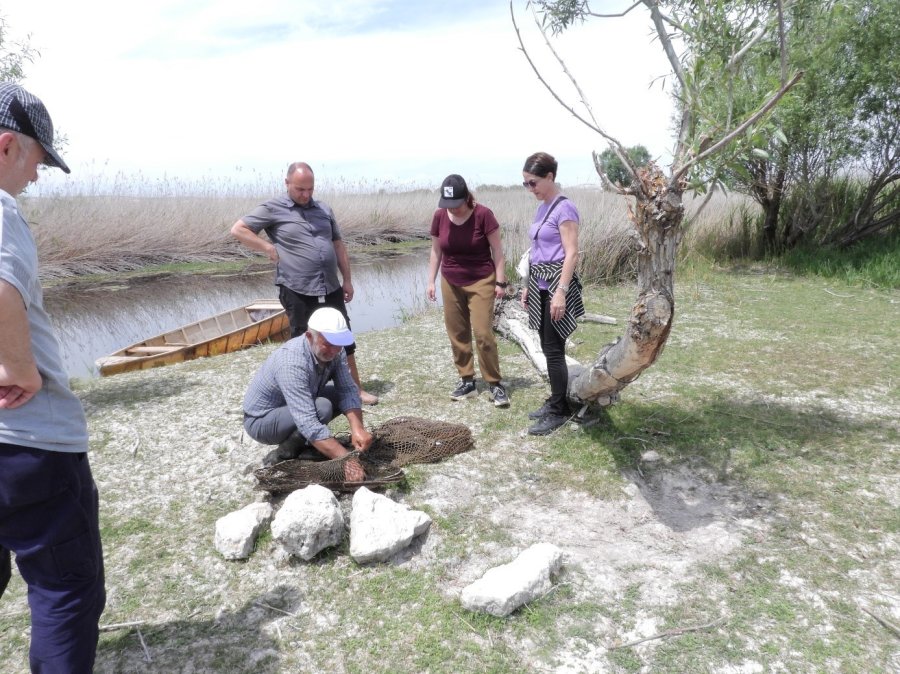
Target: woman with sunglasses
x: 553, y: 294
x: 466, y: 247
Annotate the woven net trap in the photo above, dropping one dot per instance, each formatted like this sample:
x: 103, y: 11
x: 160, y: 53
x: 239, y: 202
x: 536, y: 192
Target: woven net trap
x: 396, y: 443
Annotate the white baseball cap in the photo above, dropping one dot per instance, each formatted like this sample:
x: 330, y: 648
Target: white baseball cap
x: 332, y: 326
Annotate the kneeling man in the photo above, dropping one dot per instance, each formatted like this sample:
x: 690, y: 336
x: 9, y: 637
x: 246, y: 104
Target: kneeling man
x: 301, y: 387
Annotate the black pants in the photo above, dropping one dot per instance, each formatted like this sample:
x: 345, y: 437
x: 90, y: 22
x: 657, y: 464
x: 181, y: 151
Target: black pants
x: 554, y: 348
x: 300, y: 307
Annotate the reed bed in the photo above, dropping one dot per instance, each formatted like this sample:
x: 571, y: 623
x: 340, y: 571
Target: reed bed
x: 120, y: 230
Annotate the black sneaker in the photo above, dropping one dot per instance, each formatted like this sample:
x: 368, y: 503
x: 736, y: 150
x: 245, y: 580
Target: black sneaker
x: 464, y: 389
x: 541, y: 411
x: 499, y: 396
x: 548, y: 424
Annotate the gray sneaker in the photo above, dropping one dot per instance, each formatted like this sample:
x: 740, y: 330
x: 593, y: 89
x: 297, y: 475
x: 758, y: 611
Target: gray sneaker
x: 499, y: 396
x: 464, y: 389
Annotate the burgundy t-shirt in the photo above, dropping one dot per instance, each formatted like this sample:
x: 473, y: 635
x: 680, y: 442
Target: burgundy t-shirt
x: 465, y: 248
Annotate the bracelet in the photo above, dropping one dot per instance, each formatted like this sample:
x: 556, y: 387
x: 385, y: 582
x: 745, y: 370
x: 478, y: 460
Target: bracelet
x: 502, y: 284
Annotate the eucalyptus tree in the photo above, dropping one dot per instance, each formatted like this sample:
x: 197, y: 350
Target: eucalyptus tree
x: 704, y: 42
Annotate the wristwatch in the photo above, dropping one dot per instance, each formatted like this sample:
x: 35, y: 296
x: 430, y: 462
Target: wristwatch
x: 501, y: 284
x: 565, y: 289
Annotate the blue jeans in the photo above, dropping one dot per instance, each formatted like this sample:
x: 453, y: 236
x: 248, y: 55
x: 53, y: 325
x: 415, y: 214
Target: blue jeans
x: 49, y: 517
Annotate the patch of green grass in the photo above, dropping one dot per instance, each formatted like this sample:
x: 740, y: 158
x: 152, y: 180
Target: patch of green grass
x: 871, y: 263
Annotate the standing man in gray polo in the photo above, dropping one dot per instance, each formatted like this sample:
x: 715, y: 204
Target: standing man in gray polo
x: 48, y: 499
x: 304, y: 243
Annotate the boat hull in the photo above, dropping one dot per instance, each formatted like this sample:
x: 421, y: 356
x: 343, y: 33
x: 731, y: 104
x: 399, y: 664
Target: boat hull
x: 256, y: 323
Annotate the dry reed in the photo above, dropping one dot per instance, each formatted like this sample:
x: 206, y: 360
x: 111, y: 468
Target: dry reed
x: 81, y: 233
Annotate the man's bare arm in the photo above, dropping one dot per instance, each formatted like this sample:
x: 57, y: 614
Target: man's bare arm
x: 343, y: 263
x: 252, y: 240
x: 19, y: 376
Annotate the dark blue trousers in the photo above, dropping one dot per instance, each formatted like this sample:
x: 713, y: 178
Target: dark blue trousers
x: 49, y: 511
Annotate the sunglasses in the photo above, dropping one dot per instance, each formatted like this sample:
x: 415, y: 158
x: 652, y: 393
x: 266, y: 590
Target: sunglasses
x: 529, y: 183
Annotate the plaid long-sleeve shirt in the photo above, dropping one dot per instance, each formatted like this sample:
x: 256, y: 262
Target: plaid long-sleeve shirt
x: 293, y: 377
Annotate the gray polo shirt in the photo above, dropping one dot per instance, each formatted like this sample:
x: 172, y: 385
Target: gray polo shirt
x: 53, y: 419
x: 303, y: 237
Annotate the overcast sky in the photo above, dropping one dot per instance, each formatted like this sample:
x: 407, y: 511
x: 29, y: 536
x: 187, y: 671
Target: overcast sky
x: 381, y: 92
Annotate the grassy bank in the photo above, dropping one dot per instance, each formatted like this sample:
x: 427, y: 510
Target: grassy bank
x: 745, y: 490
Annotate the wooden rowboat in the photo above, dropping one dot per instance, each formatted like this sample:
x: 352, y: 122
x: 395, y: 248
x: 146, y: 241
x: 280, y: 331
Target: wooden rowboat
x: 255, y: 323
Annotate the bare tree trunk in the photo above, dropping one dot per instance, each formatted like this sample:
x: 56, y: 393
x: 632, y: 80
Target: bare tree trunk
x: 657, y: 217
x: 659, y: 209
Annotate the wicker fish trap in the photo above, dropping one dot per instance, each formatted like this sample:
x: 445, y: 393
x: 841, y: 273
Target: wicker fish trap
x: 396, y: 443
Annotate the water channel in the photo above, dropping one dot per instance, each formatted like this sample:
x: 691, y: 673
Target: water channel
x: 96, y: 320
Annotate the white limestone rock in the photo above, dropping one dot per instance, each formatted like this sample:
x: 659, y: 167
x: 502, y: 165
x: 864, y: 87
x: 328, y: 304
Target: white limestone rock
x: 505, y: 588
x: 380, y: 528
x: 236, y: 532
x: 309, y: 521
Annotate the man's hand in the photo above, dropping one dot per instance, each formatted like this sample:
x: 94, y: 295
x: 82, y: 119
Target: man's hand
x: 361, y: 439
x: 12, y: 397
x: 19, y: 376
x: 348, y: 291
x: 272, y: 254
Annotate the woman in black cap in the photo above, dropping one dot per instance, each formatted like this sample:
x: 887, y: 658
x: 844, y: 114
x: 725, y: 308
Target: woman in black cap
x: 466, y: 246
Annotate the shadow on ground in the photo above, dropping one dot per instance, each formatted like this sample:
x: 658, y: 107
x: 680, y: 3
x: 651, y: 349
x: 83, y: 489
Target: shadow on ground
x: 695, y: 467
x: 244, y: 640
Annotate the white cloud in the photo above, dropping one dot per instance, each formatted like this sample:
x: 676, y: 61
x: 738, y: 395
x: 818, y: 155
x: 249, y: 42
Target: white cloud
x: 198, y: 88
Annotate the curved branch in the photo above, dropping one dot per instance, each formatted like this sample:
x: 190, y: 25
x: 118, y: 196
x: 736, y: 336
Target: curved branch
x: 562, y: 64
x: 737, y: 131
x: 687, y: 94
x: 588, y: 12
x: 658, y: 23
x: 615, y: 144
x: 553, y: 93
x: 756, y: 37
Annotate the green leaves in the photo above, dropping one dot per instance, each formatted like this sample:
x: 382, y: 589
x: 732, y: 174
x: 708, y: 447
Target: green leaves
x: 615, y: 170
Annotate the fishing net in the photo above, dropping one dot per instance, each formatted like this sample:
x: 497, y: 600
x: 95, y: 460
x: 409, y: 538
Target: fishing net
x: 396, y: 443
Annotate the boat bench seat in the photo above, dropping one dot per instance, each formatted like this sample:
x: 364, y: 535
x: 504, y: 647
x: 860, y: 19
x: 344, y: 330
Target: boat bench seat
x: 264, y: 307
x: 149, y: 350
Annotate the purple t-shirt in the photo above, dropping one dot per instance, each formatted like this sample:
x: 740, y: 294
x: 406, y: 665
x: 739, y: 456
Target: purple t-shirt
x: 547, y: 247
x: 466, y: 251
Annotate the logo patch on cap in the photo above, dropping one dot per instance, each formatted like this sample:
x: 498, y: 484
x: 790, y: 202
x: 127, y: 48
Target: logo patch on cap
x: 448, y: 192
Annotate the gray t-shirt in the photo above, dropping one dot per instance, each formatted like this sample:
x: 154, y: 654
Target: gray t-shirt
x: 53, y: 419
x: 303, y: 237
